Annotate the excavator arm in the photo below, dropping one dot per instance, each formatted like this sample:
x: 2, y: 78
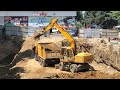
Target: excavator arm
x: 54, y: 23
x: 45, y: 29
x: 67, y: 35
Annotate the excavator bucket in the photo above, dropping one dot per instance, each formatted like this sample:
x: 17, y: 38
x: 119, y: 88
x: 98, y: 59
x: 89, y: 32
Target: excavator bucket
x: 39, y: 33
x: 36, y: 35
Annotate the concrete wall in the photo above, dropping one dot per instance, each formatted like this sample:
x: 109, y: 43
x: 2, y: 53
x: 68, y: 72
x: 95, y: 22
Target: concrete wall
x: 97, y: 33
x: 110, y: 33
x: 14, y: 30
x: 1, y: 20
x: 89, y: 33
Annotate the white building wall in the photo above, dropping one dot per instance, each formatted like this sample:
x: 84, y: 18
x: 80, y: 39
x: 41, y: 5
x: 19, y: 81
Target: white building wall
x: 37, y: 13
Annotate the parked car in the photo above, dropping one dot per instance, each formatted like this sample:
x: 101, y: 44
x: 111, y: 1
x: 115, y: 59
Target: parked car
x: 96, y: 26
x: 73, y: 32
x: 54, y: 30
x: 117, y: 28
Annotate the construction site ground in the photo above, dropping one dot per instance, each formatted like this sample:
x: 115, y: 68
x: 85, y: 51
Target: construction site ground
x: 21, y: 64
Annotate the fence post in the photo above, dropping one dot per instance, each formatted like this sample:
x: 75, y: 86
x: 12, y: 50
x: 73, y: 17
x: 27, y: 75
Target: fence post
x: 119, y: 51
x: 106, y: 33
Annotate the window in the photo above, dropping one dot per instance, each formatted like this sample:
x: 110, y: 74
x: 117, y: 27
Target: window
x: 69, y: 53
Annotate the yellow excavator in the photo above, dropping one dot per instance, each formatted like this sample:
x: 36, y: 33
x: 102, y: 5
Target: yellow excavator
x: 69, y: 59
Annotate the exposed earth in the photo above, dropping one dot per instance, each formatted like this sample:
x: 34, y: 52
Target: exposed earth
x: 18, y: 63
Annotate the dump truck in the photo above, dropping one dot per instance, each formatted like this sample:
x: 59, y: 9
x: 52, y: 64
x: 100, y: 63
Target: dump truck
x: 69, y: 58
x: 47, y: 53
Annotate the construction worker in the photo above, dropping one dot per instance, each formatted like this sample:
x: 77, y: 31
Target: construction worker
x: 3, y: 31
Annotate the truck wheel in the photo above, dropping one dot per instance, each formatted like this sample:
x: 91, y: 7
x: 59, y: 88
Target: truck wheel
x: 36, y: 57
x: 40, y: 61
x: 86, y: 67
x: 61, y: 66
x: 73, y: 68
x: 56, y: 66
x: 43, y: 63
x: 91, y: 68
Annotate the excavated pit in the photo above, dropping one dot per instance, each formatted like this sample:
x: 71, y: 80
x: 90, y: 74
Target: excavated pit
x: 22, y: 65
x: 9, y: 47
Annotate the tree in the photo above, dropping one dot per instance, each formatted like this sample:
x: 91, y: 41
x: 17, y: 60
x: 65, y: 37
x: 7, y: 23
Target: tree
x: 79, y: 16
x: 105, y: 19
x: 101, y: 18
x: 79, y: 19
x: 115, y: 15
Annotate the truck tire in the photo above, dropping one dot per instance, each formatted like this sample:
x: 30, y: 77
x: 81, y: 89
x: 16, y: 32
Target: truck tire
x: 61, y: 66
x: 36, y: 57
x: 73, y: 68
x: 43, y: 63
x: 40, y: 61
x: 56, y: 66
x: 86, y: 67
x: 92, y: 68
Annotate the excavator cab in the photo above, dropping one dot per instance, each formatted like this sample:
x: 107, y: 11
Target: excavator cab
x: 67, y: 54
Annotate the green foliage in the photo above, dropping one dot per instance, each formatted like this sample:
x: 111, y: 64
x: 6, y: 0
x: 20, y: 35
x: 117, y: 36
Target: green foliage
x: 79, y: 16
x: 78, y: 24
x: 115, y: 14
x: 106, y: 19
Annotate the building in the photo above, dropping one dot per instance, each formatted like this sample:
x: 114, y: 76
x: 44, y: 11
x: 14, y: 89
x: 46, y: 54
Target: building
x: 34, y: 20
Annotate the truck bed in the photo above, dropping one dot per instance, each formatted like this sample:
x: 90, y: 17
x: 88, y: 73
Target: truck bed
x: 49, y: 51
x: 52, y: 55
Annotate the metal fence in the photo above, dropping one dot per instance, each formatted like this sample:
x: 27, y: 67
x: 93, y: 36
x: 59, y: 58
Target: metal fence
x: 97, y: 33
x: 83, y: 33
x: 89, y: 33
x: 109, y: 33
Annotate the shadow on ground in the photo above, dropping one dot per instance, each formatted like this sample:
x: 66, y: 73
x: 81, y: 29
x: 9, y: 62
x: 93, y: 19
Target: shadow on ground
x: 7, y: 73
x: 11, y: 60
x: 21, y: 56
x: 14, y: 73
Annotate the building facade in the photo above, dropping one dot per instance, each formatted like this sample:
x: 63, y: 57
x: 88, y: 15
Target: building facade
x: 34, y: 20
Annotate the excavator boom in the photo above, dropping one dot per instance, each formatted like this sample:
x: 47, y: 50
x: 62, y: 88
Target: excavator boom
x: 54, y: 23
